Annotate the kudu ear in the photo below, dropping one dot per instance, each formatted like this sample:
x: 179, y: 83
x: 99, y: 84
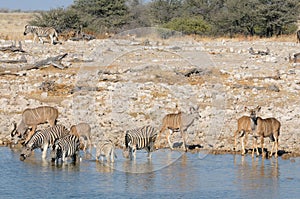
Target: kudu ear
x: 258, y: 108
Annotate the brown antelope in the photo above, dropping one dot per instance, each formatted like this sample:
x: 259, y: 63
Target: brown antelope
x: 178, y: 122
x: 269, y: 127
x: 245, y: 126
x: 83, y: 130
x: 298, y: 36
x: 31, y: 117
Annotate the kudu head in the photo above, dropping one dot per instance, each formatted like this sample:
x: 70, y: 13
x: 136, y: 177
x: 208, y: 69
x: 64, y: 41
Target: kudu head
x: 195, y: 112
x: 253, y: 112
x: 18, y: 132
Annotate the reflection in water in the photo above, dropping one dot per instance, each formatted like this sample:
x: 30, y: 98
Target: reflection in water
x: 257, y: 175
x: 104, y: 167
x: 168, y: 174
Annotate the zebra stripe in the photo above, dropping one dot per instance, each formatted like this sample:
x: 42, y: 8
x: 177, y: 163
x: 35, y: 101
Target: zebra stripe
x: 42, y: 139
x: 105, y: 148
x: 67, y: 146
x: 40, y: 32
x: 140, y: 138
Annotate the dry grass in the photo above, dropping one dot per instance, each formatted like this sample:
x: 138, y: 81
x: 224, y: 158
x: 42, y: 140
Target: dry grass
x: 12, y: 25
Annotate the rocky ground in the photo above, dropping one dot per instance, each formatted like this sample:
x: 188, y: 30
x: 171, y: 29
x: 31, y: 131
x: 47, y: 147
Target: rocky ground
x: 127, y: 82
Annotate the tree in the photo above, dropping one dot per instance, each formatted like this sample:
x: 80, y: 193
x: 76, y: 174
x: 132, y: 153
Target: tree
x: 162, y: 11
x: 102, y: 15
x: 59, y: 18
x: 275, y: 16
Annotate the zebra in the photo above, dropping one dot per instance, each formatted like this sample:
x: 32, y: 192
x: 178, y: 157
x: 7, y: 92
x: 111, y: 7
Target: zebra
x: 43, y: 139
x: 105, y: 148
x: 139, y: 138
x: 40, y: 32
x: 67, y: 146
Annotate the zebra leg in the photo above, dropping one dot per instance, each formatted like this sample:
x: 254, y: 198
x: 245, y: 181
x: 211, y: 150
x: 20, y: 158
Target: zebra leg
x: 63, y: 156
x: 44, y: 154
x: 112, y: 155
x: 52, y: 40
x: 41, y: 40
x: 148, y: 149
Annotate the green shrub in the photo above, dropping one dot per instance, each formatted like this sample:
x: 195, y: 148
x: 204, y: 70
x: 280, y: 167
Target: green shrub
x: 189, y: 25
x: 60, y: 19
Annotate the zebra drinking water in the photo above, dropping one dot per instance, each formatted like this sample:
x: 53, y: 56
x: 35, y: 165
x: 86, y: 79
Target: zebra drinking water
x: 40, y: 32
x: 140, y: 138
x: 42, y: 139
x: 67, y: 146
x: 105, y: 148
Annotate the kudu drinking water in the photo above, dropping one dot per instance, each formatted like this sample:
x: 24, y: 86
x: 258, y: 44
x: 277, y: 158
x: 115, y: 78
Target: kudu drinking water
x: 178, y: 122
x: 83, y: 130
x: 31, y: 117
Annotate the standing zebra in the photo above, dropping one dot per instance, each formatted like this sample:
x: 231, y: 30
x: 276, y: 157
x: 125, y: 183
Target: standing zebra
x: 140, y: 138
x: 41, y: 32
x: 42, y: 139
x: 67, y: 146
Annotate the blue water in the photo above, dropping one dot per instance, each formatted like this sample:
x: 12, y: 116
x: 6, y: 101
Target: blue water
x: 167, y: 175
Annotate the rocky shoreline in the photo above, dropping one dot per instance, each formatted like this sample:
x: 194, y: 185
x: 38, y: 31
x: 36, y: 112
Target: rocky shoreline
x: 119, y: 84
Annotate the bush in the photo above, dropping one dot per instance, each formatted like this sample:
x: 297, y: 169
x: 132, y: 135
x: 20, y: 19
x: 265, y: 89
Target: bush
x: 189, y: 25
x: 59, y: 19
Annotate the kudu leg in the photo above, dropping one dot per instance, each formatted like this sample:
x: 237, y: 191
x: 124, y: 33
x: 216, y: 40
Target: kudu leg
x: 183, y: 134
x: 262, y: 146
x: 274, y: 145
x: 244, y: 142
x: 254, y: 147
x: 168, y: 138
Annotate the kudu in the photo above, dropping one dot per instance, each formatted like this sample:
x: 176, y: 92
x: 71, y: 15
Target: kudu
x: 83, y: 130
x: 31, y: 117
x: 269, y: 127
x: 178, y: 122
x: 245, y: 126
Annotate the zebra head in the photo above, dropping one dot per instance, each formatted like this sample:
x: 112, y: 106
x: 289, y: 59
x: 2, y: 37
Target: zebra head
x: 56, y: 151
x: 27, y: 30
x: 26, y: 152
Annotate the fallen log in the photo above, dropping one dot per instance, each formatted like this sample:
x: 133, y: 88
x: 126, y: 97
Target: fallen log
x: 15, y: 61
x: 55, y: 61
x: 12, y: 48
